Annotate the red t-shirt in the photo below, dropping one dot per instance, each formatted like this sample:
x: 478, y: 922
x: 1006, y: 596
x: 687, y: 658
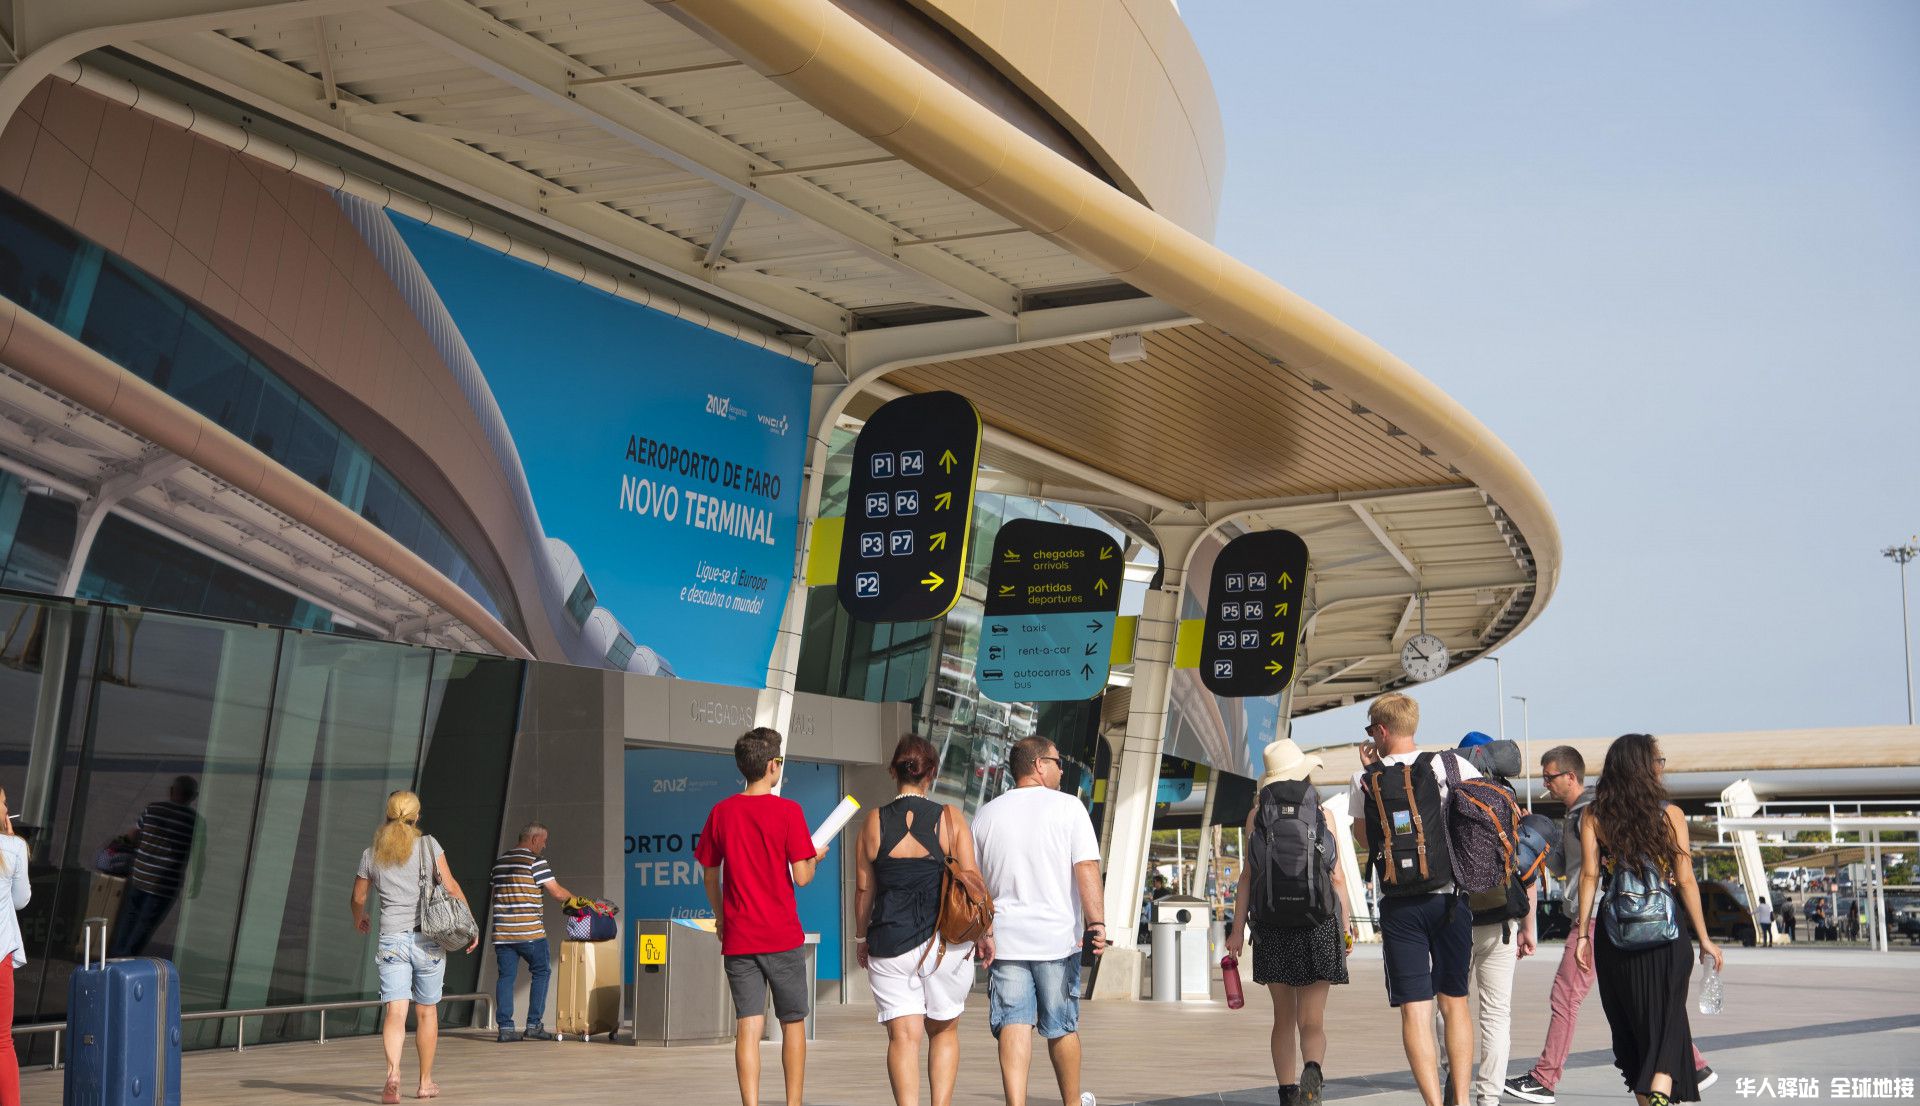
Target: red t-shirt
x: 752, y: 839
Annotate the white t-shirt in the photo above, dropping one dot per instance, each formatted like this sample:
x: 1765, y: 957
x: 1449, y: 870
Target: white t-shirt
x: 1028, y: 841
x: 1357, y: 801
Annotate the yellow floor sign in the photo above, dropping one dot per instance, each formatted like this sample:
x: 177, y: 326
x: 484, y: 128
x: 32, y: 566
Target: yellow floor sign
x: 653, y: 948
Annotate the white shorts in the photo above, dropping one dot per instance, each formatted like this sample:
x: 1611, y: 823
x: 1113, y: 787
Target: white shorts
x: 905, y: 985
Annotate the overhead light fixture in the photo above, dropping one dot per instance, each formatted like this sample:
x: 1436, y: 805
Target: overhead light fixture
x: 1127, y: 347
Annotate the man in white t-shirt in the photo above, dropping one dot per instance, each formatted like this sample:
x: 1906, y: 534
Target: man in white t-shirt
x: 1426, y: 939
x: 1041, y: 860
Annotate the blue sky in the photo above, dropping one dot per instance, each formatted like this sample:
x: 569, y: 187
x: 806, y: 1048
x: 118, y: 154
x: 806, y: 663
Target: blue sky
x: 1671, y: 255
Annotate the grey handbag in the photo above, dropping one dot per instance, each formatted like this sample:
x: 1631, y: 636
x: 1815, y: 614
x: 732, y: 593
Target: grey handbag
x: 442, y: 919
x: 1638, y: 910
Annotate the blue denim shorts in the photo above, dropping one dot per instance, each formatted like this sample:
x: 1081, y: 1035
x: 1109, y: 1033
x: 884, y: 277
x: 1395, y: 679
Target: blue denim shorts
x: 411, y: 966
x: 1042, y: 993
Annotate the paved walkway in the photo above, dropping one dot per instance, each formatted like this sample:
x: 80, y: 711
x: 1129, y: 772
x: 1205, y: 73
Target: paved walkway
x: 1813, y: 1014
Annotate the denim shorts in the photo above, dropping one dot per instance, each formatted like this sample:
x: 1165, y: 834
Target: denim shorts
x: 411, y: 966
x: 1042, y: 993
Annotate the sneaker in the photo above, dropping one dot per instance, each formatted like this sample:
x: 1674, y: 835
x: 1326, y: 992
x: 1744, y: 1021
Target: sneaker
x: 507, y: 1033
x: 1704, y: 1077
x: 1311, y: 1080
x: 535, y: 1033
x: 1289, y: 1094
x: 1528, y: 1089
x: 1086, y: 1099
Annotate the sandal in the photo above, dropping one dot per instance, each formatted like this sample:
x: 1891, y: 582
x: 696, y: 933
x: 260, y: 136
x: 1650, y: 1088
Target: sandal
x: 428, y: 1090
x: 390, y: 1094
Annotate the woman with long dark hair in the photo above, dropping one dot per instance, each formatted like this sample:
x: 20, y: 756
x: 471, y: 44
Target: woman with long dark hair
x: 1632, y: 828
x: 919, y: 982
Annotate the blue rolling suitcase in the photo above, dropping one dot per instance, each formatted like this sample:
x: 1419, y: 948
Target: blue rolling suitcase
x: 123, y: 1030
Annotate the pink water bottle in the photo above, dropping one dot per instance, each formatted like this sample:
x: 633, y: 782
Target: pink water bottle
x: 1230, y: 982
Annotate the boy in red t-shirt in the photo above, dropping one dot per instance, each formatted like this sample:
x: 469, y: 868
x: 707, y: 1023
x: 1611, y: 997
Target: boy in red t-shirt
x: 756, y: 850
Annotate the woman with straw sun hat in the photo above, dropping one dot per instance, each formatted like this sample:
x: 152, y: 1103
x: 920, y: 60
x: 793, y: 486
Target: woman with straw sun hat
x: 1297, y: 961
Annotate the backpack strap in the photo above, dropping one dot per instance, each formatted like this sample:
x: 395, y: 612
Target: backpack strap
x: 1377, y: 841
x: 1451, y: 761
x: 1422, y: 763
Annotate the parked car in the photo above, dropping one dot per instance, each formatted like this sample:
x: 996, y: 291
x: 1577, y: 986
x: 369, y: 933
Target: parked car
x: 1906, y: 923
x: 1550, y: 922
x: 1723, y: 905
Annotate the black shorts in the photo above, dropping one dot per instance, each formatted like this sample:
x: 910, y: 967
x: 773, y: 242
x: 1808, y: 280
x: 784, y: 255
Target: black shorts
x: 750, y: 976
x: 1427, y: 943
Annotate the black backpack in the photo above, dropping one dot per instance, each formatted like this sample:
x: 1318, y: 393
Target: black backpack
x: 1291, y: 858
x: 1406, y: 827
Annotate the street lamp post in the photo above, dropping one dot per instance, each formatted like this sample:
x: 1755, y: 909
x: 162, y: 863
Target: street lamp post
x: 1500, y: 694
x: 1526, y: 748
x: 1900, y: 555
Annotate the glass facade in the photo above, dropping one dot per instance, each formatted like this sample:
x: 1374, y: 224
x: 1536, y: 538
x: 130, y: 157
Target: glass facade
x: 272, y: 753
x: 154, y: 333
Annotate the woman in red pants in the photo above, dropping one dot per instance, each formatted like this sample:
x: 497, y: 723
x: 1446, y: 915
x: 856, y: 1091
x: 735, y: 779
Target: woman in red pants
x: 13, y: 872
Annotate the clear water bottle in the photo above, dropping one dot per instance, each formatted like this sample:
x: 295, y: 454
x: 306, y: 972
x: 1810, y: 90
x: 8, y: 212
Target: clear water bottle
x: 1710, y: 994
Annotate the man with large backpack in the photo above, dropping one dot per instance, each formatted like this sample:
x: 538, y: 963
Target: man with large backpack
x: 1503, y: 927
x: 1399, y: 802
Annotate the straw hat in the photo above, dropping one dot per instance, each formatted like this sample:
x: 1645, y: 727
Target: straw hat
x: 1285, y: 761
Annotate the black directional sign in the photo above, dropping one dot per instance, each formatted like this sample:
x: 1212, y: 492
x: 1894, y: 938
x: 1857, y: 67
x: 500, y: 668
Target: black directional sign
x: 1052, y: 592
x: 1253, y: 614
x: 910, y: 509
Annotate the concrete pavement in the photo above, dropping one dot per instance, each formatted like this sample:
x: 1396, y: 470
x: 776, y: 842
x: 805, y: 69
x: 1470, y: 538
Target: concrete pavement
x: 1806, y: 1014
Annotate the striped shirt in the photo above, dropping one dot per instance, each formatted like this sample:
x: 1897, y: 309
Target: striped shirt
x: 517, y: 881
x: 160, y: 859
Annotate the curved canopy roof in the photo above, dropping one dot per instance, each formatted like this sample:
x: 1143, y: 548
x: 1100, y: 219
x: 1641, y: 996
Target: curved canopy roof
x: 783, y: 172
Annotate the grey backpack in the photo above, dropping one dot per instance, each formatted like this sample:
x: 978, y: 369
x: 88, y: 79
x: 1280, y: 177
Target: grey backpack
x: 1638, y: 911
x: 1291, y: 857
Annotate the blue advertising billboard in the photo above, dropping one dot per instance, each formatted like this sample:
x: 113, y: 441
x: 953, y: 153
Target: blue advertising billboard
x: 664, y: 460
x: 669, y: 792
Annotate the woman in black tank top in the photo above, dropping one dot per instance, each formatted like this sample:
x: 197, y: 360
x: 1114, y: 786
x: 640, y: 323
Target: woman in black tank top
x: 899, y: 861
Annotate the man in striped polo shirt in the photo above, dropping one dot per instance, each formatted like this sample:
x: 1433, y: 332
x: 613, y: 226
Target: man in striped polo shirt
x: 166, y: 860
x: 519, y: 878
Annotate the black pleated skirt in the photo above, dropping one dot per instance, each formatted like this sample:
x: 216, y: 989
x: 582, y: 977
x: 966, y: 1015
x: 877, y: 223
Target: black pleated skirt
x: 1645, y: 996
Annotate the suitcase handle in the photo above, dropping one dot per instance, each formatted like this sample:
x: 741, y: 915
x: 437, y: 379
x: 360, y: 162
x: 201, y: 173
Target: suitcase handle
x: 86, y: 937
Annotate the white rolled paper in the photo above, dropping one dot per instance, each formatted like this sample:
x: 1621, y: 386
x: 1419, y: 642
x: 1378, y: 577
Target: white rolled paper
x: 835, y: 822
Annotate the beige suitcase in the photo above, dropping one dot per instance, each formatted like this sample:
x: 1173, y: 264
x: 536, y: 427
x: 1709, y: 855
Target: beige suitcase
x: 105, y: 894
x: 588, y: 989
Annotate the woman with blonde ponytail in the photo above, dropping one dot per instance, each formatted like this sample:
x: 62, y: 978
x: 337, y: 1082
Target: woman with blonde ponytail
x: 404, y: 863
x: 13, y: 954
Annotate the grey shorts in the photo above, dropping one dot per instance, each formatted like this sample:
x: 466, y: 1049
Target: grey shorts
x: 785, y: 972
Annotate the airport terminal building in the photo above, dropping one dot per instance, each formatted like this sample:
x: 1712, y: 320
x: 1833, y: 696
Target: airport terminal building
x: 461, y: 396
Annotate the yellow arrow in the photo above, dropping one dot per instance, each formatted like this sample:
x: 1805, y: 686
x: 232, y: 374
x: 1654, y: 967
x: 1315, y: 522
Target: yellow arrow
x: 1006, y: 589
x: 942, y: 501
x: 1106, y: 552
x: 933, y: 581
x: 938, y: 541
x: 1286, y: 581
x: 948, y: 460
x: 1278, y: 637
x: 1100, y: 586
x: 1280, y: 608
x: 1273, y: 668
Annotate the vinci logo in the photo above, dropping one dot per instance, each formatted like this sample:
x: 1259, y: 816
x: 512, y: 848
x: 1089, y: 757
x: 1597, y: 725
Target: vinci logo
x: 778, y: 426
x: 663, y: 786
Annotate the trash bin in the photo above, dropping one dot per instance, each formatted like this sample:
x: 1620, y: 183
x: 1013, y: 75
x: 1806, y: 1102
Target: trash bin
x: 1182, y: 968
x: 680, y: 994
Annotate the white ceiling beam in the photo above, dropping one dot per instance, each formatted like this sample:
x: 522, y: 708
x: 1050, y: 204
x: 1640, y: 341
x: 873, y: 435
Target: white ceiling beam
x: 500, y: 50
x: 641, y: 75
x: 282, y: 90
x: 1406, y: 616
x: 725, y: 230
x: 1386, y: 540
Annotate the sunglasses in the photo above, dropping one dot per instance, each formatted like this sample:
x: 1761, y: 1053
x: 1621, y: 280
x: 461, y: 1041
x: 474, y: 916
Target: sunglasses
x: 1057, y: 762
x: 1549, y: 777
